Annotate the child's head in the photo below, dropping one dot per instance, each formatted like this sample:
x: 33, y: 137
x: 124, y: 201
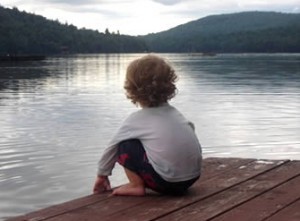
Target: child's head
x: 150, y: 81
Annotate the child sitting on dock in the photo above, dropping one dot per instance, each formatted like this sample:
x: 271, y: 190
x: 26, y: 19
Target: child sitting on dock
x: 156, y: 145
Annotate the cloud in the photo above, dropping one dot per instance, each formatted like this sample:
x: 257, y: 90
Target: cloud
x: 70, y: 2
x: 85, y: 2
x: 296, y: 9
x: 142, y: 17
x: 168, y: 2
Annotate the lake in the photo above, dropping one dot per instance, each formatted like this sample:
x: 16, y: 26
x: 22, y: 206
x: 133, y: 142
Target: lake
x: 58, y: 114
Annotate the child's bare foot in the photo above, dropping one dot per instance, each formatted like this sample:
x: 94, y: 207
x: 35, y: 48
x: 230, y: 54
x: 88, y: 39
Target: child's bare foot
x: 130, y: 189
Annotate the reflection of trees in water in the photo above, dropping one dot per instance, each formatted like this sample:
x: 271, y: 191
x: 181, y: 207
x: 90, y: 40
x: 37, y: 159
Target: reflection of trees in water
x: 88, y: 70
x: 256, y: 71
x: 21, y: 75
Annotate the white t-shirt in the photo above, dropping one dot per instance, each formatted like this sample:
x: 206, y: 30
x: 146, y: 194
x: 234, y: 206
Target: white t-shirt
x: 168, y: 138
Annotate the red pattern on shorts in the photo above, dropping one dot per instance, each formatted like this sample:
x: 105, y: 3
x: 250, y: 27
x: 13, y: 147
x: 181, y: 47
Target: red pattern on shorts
x: 122, y: 158
x: 149, y: 181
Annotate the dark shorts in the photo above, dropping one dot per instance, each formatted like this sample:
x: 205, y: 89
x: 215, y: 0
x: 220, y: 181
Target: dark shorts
x: 132, y: 155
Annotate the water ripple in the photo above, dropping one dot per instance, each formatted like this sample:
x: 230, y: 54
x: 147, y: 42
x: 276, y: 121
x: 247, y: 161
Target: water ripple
x: 57, y: 116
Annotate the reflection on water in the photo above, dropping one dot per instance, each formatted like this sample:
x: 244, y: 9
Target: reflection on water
x: 57, y: 115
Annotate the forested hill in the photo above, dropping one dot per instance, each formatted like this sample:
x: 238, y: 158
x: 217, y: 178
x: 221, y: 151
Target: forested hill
x: 25, y: 33
x: 239, y: 32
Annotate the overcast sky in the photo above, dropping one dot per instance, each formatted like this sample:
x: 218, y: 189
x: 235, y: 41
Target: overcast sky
x: 138, y: 17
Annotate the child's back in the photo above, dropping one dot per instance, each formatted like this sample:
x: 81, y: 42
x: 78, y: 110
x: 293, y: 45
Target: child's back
x: 156, y: 145
x: 169, y: 141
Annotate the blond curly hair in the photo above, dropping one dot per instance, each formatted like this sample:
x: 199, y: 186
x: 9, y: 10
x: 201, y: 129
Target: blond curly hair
x: 150, y: 81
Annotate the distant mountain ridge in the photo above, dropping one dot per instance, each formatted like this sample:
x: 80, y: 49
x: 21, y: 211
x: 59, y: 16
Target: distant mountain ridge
x: 238, y: 32
x: 26, y: 33
x: 236, y: 22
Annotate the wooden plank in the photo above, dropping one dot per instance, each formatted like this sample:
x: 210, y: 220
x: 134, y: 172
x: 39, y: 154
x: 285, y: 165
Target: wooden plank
x: 290, y: 213
x: 117, y: 204
x: 266, y: 204
x: 224, y: 201
x: 159, y: 207
x: 211, y: 167
x: 104, y: 209
x: 61, y: 208
x: 214, y: 166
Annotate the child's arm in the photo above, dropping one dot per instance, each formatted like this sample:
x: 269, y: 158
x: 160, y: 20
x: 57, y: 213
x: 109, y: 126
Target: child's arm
x: 101, y: 184
x: 107, y: 161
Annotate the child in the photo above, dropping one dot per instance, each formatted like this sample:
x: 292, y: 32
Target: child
x: 156, y: 145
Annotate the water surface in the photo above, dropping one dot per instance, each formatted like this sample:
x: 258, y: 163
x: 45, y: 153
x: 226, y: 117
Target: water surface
x: 57, y: 116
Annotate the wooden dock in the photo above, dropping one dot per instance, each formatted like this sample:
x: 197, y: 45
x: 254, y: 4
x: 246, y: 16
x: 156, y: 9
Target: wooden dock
x: 230, y: 189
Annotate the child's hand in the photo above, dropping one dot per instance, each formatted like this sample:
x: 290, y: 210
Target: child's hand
x: 101, y: 185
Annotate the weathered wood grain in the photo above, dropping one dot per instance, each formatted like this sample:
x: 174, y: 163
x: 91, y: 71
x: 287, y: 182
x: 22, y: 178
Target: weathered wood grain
x: 229, y: 189
x: 290, y: 213
x: 165, y: 205
x: 227, y: 200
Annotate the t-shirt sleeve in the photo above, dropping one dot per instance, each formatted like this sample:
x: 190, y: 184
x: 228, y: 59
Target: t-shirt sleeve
x: 107, y: 161
x: 110, y: 154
